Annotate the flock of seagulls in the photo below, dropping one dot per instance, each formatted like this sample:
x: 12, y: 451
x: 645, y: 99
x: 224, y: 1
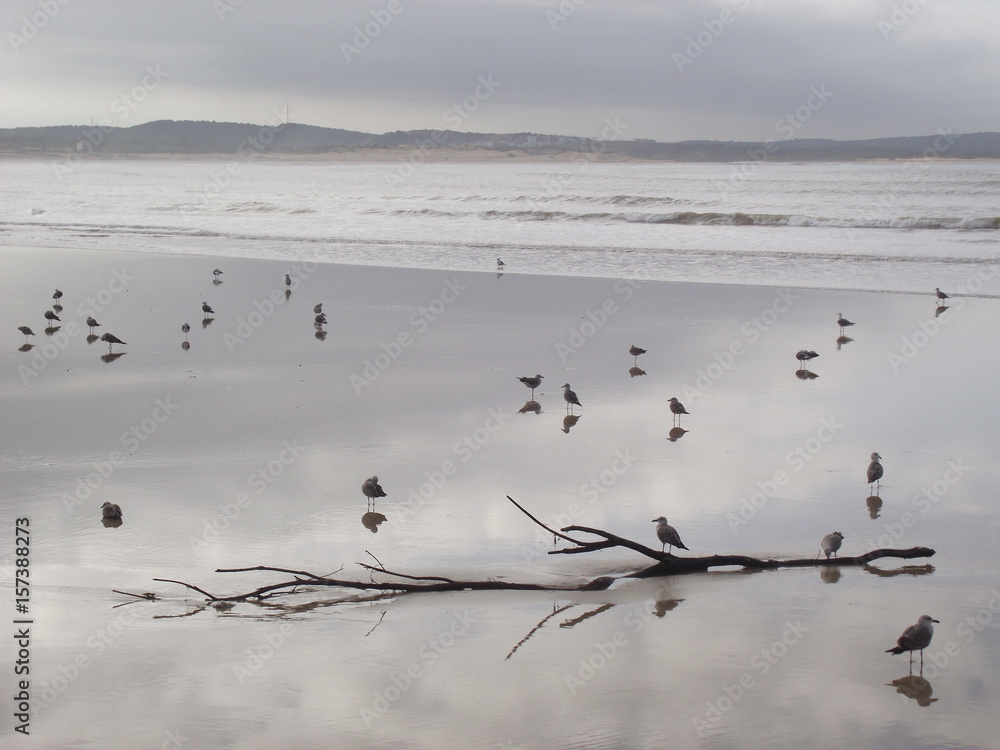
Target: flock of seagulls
x: 52, y: 319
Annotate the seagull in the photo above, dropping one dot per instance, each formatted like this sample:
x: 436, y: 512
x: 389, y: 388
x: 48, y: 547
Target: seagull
x: 288, y: 280
x: 111, y: 510
x: 57, y: 296
x: 677, y: 408
x: 372, y: 490
x: 320, y: 319
x: 318, y: 309
x: 635, y: 351
x: 875, y: 470
x: 804, y: 355
x: 92, y: 324
x: 112, y: 339
x: 667, y: 534
x: 205, y: 308
x: 185, y: 328
x: 500, y: 264
x: 570, y: 397
x: 842, y: 321
x: 217, y: 273
x: 831, y: 543
x: 940, y: 295
x: 51, y: 316
x: 532, y: 383
x: 915, y: 638
x: 26, y: 331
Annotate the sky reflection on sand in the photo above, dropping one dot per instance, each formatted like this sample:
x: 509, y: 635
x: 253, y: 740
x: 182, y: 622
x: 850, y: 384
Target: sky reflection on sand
x: 261, y: 456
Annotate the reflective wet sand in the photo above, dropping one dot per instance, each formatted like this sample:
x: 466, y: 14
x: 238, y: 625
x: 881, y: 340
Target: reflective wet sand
x: 249, y: 447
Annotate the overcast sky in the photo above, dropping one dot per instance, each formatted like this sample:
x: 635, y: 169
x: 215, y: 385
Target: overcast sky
x: 690, y: 69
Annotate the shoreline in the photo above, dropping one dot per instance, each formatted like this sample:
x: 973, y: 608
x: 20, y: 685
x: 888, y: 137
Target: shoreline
x: 443, y: 155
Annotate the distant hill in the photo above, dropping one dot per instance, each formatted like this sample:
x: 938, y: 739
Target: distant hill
x: 222, y: 138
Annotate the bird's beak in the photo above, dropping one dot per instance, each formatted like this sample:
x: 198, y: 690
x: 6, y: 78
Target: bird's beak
x: 937, y: 621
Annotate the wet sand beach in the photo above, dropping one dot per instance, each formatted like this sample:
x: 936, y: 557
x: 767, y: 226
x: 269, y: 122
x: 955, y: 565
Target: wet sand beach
x: 249, y: 446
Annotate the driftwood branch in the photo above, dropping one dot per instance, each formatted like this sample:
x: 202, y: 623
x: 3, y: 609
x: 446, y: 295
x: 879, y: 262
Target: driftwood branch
x: 666, y: 564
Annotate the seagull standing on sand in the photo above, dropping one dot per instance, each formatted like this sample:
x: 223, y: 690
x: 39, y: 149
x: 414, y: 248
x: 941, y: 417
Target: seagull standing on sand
x: 635, y: 351
x: 500, y: 264
x: 915, y: 638
x: 186, y: 329
x: 804, y: 355
x: 52, y: 317
x: 677, y: 408
x: 206, y: 308
x: 318, y: 308
x: 570, y: 398
x: 57, y: 296
x: 831, y: 543
x: 843, y: 322
x: 217, y: 273
x: 940, y: 295
x: 372, y: 489
x: 532, y: 383
x: 26, y: 331
x: 667, y: 534
x: 288, y: 280
x: 112, y: 339
x: 875, y: 470
x: 92, y: 324
x: 320, y: 319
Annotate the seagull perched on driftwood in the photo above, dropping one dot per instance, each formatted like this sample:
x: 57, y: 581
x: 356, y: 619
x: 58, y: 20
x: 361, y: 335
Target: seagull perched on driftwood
x: 667, y: 534
x: 831, y: 543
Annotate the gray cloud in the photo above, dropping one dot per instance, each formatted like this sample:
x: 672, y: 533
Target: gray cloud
x: 723, y: 69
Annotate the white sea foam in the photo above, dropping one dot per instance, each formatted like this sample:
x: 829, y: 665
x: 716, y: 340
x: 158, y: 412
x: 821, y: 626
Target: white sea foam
x: 901, y: 226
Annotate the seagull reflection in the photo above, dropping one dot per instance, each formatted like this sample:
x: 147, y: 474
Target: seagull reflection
x: 937, y: 311
x: 320, y: 334
x: 916, y: 687
x: 91, y: 338
x: 874, y: 503
x: 569, y: 421
x: 830, y: 574
x: 663, y: 606
x: 906, y: 570
x: 51, y: 330
x: 371, y: 520
x: 805, y: 375
x: 25, y: 347
x: 532, y: 407
x: 185, y: 345
x: 676, y: 433
x: 111, y: 510
x: 842, y: 340
x: 111, y: 523
x: 636, y: 371
x: 112, y: 356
